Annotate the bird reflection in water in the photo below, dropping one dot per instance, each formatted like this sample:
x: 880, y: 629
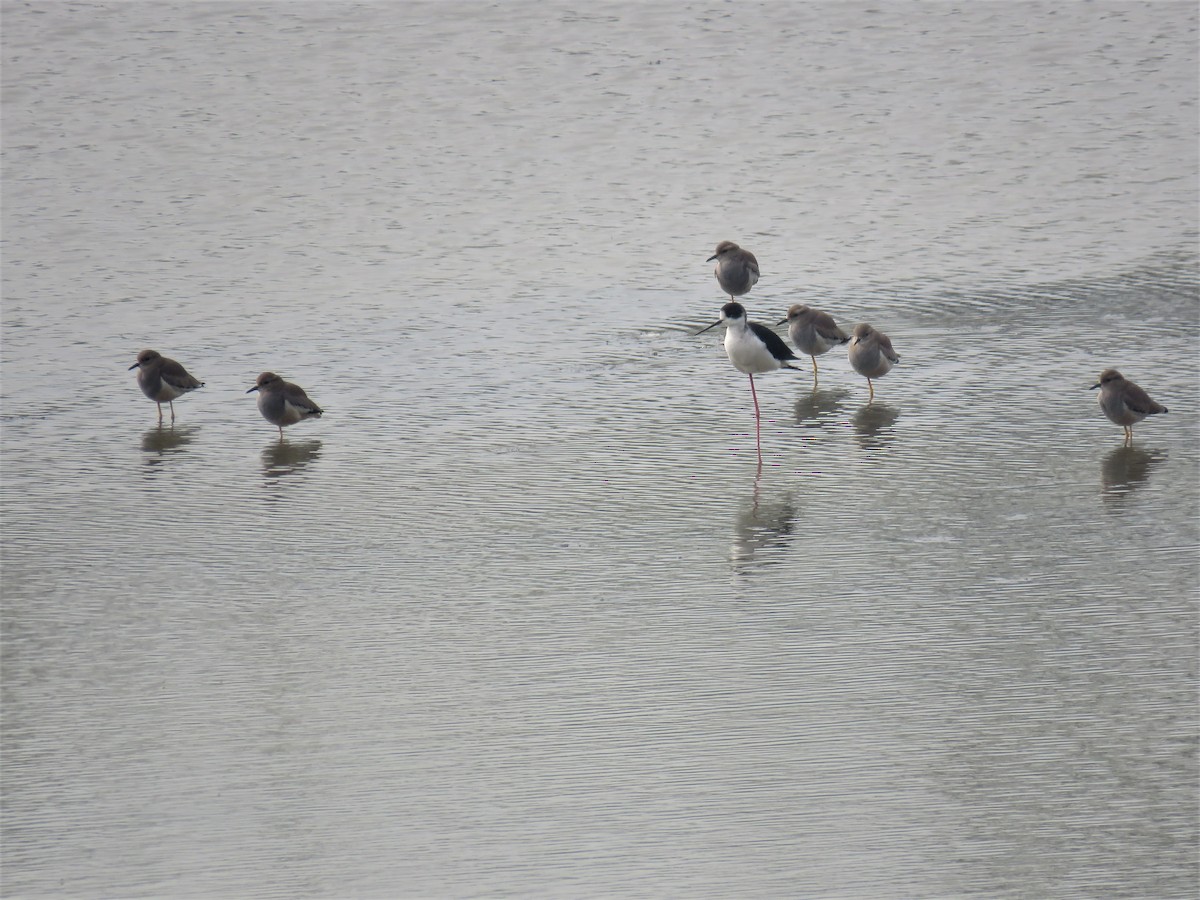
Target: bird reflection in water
x: 1125, y: 469
x: 163, y: 440
x: 873, y: 425
x: 812, y: 406
x: 286, y: 457
x: 761, y: 525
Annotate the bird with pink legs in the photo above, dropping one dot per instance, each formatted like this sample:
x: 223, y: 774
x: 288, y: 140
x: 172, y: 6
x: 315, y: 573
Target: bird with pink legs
x: 754, y: 349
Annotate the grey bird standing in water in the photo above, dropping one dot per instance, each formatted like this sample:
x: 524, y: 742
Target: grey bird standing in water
x: 813, y: 332
x: 1124, y: 402
x: 163, y: 380
x: 283, y: 403
x: 871, y: 354
x: 736, y: 269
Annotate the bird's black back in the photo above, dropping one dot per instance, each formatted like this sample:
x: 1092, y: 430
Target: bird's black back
x: 774, y: 342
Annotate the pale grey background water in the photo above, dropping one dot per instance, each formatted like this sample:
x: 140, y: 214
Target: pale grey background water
x: 519, y: 617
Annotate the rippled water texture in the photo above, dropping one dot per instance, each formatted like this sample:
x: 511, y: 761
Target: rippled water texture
x: 521, y: 615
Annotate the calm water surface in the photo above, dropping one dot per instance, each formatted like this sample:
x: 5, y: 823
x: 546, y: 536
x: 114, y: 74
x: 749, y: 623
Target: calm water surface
x: 522, y: 615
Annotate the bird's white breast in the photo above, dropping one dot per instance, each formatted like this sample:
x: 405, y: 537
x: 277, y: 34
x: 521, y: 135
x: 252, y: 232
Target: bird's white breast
x: 747, y: 353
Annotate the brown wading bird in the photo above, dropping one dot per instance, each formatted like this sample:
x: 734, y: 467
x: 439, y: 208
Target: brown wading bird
x: 813, y: 332
x: 871, y: 354
x: 1124, y: 402
x: 163, y: 380
x: 283, y: 403
x: 736, y: 269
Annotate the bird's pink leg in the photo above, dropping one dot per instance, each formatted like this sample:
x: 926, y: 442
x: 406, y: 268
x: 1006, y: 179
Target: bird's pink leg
x: 757, y: 420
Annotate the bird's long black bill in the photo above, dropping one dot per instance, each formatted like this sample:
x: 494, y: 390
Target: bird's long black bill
x: 713, y: 325
x: 252, y: 390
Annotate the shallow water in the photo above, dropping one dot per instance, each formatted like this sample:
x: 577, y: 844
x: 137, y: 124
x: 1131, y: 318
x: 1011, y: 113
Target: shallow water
x: 522, y: 614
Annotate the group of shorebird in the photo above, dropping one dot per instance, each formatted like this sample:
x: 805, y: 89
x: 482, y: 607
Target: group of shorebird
x: 755, y: 349
x: 164, y: 380
x: 752, y: 348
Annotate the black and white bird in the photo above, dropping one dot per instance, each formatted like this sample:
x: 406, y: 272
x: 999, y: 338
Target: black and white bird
x: 754, y: 349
